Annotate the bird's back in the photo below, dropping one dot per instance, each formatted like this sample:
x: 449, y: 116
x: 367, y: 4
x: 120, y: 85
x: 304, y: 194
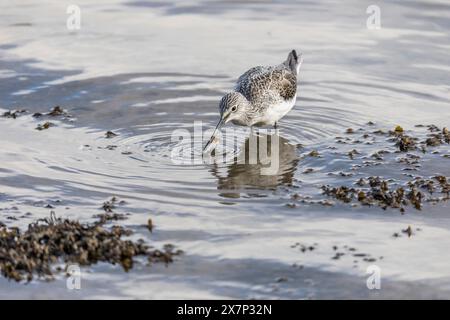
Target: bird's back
x: 264, y: 84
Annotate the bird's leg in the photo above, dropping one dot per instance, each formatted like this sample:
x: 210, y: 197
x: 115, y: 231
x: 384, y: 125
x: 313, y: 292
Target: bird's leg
x: 253, y: 131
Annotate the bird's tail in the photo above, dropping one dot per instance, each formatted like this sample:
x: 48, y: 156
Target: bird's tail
x: 294, y: 61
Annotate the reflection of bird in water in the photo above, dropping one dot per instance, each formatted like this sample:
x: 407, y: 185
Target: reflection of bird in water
x: 265, y: 162
x: 263, y: 95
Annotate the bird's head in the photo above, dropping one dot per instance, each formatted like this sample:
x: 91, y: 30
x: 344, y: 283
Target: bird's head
x: 233, y: 106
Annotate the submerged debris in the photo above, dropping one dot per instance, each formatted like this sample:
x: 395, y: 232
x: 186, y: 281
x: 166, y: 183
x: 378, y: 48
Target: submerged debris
x: 338, y: 252
x: 53, y: 240
x: 385, y: 192
x: 57, y: 111
x: 106, y: 217
x: 44, y: 126
x: 378, y: 192
x: 398, y: 129
x: 54, y: 112
x: 150, y: 225
x: 109, y: 205
x: 405, y: 143
x: 342, y: 193
x: 389, y: 193
x: 110, y: 134
x: 166, y: 255
x: 13, y: 113
x: 352, y: 153
x: 437, y: 137
x: 313, y: 153
x: 110, y: 147
x: 305, y: 248
x: 408, y: 231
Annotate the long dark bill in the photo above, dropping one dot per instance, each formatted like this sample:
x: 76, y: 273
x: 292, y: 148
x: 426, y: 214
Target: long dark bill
x: 219, y: 125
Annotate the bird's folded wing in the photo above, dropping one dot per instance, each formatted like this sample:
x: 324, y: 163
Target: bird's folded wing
x: 260, y: 83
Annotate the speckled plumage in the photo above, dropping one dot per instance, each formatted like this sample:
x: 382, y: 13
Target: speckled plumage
x: 261, y: 83
x: 262, y: 96
x: 267, y: 91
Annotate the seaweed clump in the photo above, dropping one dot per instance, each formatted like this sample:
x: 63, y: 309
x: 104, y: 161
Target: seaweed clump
x: 111, y: 204
x: 52, y: 240
x: 378, y: 192
x: 437, y: 136
x: 44, y: 126
x: 110, y: 134
x: 403, y: 141
x: 56, y: 111
x: 13, y: 113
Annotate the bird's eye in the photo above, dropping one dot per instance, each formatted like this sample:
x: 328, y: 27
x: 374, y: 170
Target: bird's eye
x: 233, y: 109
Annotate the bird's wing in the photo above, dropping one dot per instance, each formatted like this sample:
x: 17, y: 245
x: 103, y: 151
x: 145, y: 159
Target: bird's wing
x: 261, y: 82
x: 243, y: 84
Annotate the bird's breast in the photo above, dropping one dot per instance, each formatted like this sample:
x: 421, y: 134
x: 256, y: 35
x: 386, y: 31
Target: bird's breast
x: 278, y: 110
x: 239, y: 122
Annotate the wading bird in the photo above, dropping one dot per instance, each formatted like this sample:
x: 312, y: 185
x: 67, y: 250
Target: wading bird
x: 262, y: 96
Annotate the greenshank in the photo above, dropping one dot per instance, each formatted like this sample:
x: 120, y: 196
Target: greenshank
x: 262, y: 96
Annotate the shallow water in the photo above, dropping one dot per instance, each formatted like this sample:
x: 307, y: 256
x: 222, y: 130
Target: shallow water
x: 144, y: 69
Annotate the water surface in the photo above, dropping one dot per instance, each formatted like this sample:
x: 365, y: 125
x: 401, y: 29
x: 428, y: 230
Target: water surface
x: 145, y: 68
